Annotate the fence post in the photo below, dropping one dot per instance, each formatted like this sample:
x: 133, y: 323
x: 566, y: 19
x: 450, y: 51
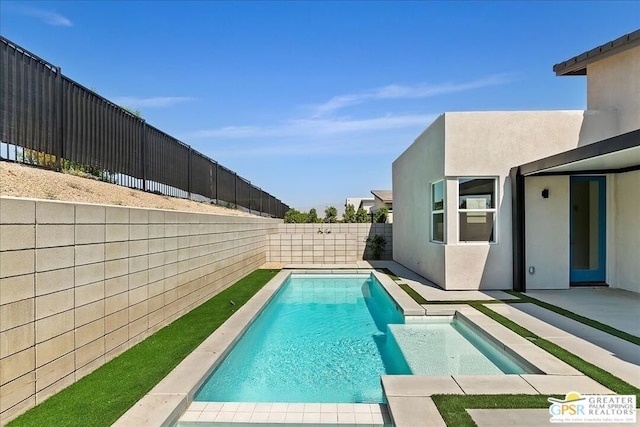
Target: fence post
x: 235, y: 190
x: 211, y: 175
x: 143, y: 149
x: 189, y: 172
x: 59, y: 101
x: 217, y: 184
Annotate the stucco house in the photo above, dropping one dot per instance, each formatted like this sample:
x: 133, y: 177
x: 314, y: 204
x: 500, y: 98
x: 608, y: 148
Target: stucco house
x: 360, y: 203
x: 383, y: 198
x: 530, y: 199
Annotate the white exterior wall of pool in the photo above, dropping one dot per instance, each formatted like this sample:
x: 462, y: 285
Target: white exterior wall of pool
x: 477, y: 144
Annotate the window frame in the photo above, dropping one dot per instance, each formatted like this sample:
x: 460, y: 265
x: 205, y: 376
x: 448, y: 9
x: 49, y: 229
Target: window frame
x: 494, y: 210
x: 441, y: 211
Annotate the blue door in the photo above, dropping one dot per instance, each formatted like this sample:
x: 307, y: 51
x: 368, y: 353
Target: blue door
x: 588, y: 228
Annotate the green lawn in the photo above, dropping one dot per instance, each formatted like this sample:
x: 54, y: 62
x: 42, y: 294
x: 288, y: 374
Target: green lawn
x: 453, y: 407
x: 101, y: 397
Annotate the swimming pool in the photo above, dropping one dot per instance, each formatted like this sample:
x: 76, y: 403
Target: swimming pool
x: 323, y: 338
x: 329, y: 338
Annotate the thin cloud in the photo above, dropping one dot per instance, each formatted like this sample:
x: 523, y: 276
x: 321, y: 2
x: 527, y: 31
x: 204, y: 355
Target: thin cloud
x: 156, y: 101
x: 314, y: 138
x: 405, y: 92
x: 385, y: 143
x: 48, y: 17
x: 295, y: 149
x: 323, y: 133
x: 313, y: 127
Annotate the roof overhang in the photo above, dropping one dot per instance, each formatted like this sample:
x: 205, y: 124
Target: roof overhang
x: 613, y: 155
x: 385, y: 196
x: 577, y: 66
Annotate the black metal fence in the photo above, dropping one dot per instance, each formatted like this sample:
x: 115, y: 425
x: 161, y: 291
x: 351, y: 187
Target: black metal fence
x: 47, y: 119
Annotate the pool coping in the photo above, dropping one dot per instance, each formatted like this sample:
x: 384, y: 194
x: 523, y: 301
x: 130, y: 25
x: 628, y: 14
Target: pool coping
x: 173, y: 395
x: 164, y: 404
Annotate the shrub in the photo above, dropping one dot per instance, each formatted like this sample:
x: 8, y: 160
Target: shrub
x: 380, y: 216
x: 377, y: 245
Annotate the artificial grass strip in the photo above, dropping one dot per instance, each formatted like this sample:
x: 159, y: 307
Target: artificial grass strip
x: 473, y: 301
x: 420, y: 299
x: 605, y: 378
x: 413, y: 294
x: 388, y: 273
x: 577, y: 317
x: 101, y: 397
x: 453, y: 407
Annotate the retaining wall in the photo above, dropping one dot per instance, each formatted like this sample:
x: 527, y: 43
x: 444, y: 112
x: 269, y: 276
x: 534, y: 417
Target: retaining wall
x: 80, y: 284
x: 327, y: 243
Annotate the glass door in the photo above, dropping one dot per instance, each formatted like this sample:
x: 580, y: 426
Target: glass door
x: 588, y: 228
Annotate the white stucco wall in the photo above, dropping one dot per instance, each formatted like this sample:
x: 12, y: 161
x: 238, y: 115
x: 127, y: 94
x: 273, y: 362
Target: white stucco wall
x: 614, y: 84
x: 367, y: 205
x: 486, y: 144
x: 489, y: 144
x: 627, y: 231
x: 421, y: 164
x: 547, y: 232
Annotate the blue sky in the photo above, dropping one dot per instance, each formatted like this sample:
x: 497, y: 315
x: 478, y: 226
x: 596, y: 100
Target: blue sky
x: 312, y: 101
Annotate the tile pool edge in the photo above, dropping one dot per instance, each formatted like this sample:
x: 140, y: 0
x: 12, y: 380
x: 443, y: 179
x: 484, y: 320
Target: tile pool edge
x: 403, y: 301
x: 163, y: 405
x: 514, y: 344
x: 170, y: 398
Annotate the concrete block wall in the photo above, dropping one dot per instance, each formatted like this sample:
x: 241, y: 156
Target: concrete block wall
x: 80, y: 284
x: 326, y: 243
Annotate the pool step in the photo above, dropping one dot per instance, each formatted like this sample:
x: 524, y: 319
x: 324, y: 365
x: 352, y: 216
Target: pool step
x: 413, y: 342
x: 435, y: 348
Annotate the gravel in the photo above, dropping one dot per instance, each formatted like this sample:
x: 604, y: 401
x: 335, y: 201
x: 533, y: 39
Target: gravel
x: 30, y: 182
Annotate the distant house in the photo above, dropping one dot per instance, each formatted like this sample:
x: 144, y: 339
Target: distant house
x: 530, y: 199
x: 383, y: 198
x: 360, y: 202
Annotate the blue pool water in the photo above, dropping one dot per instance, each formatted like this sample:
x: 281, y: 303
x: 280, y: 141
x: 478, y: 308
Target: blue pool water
x: 321, y: 339
x: 450, y: 347
x: 328, y: 338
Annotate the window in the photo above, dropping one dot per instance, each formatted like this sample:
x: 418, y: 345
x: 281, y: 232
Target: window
x: 437, y: 211
x: 477, y: 209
